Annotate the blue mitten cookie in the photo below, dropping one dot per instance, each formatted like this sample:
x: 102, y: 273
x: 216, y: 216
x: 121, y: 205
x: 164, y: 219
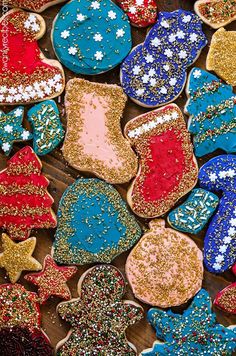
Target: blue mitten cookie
x: 219, y: 174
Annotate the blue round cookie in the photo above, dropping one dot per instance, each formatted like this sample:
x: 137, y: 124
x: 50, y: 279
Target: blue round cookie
x: 91, y: 37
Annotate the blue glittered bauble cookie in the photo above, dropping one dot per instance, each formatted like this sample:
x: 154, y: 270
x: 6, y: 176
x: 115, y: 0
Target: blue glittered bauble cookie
x: 219, y: 175
x: 91, y: 36
x: 94, y: 224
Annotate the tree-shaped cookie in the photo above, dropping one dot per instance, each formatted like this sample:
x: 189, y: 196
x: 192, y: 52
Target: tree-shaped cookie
x: 26, y: 76
x: 212, y: 109
x: 94, y: 141
x: 226, y: 298
x: 94, y: 224
x: 196, y: 332
x: 219, y: 175
x: 167, y: 166
x: 142, y: 13
x: 34, y: 5
x: 99, y: 317
x: 25, y: 203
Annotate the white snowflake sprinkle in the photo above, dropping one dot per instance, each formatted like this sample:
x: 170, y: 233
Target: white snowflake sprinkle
x: 139, y: 92
x: 219, y: 258
x: 98, y: 55
x: 6, y: 147
x: 156, y: 42
x: 168, y: 53
x: 197, y: 73
x: 153, y: 82
x: 213, y: 177
x: 65, y: 34
x: 145, y: 78
x: 132, y: 10
x: 172, y: 38
x: 182, y: 54
x: 149, y: 58
x: 227, y: 239
x: 81, y: 17
x: 165, y: 24
x: 217, y: 266
x: 180, y: 35
x: 163, y: 90
x: 8, y: 128
x: 151, y: 72
x: 18, y: 112
x: 95, y: 5
x: 166, y: 67
x: 120, y: 32
x: 98, y: 37
x: 25, y: 135
x: 173, y: 81
x: 136, y: 70
x: 112, y: 15
x: 193, y: 37
x: 72, y: 50
x: 223, y: 248
x: 186, y: 18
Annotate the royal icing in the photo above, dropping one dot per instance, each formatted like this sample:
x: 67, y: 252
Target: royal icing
x: 226, y: 298
x: 91, y: 36
x: 94, y: 141
x: 141, y: 13
x: 212, y: 110
x: 94, y: 224
x: 167, y: 167
x: 154, y: 73
x: 35, y: 5
x: 165, y: 267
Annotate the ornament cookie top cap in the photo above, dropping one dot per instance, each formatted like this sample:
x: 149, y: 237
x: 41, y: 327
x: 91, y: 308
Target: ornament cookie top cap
x: 34, y: 5
x: 26, y: 75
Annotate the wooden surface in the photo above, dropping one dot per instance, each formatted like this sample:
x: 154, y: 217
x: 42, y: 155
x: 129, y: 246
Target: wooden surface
x: 61, y: 175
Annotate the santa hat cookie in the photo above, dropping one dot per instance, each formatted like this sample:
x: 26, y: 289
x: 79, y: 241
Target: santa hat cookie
x: 167, y: 167
x: 34, y: 5
x: 141, y: 13
x: 26, y: 76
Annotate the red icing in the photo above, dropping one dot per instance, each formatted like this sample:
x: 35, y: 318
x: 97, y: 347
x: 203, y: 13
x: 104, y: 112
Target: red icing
x: 145, y: 14
x: 226, y: 299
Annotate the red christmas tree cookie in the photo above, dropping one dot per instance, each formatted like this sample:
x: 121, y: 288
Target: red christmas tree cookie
x: 226, y: 298
x: 34, y: 5
x: 26, y: 76
x: 167, y: 167
x: 141, y: 13
x: 24, y: 200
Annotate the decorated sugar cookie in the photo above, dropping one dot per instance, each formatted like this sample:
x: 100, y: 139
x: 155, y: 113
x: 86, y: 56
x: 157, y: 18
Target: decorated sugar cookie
x: 100, y: 291
x: 94, y: 224
x: 226, y: 298
x: 195, y: 212
x: 212, y: 109
x: 34, y: 5
x: 47, y: 128
x: 141, y: 13
x: 26, y: 76
x: 221, y: 55
x: 91, y: 36
x: 165, y: 268
x: 94, y: 141
x: 167, y: 166
x: 52, y: 280
x: 154, y: 73
x: 219, y: 175
x: 11, y: 129
x: 216, y: 13
x: 195, y: 332
x: 25, y: 203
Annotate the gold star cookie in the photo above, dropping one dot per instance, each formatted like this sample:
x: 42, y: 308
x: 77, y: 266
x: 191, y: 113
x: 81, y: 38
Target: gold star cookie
x: 17, y: 257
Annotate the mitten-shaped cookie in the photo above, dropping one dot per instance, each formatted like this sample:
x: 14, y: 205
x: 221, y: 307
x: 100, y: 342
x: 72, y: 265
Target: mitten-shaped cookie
x: 99, y: 317
x: 219, y: 175
x: 167, y: 166
x: 94, y: 141
x: 226, y: 298
x: 26, y: 76
x: 34, y: 5
x: 212, y: 110
x: 154, y: 73
x: 141, y: 13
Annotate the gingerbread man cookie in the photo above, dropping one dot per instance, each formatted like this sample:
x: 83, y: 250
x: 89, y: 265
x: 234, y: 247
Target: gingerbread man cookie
x: 26, y: 75
x: 226, y: 298
x: 141, y: 13
x: 94, y: 141
x: 99, y: 317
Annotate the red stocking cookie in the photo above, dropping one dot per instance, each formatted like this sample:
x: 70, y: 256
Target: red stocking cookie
x: 34, y: 5
x: 26, y: 76
x: 168, y: 169
x: 141, y: 13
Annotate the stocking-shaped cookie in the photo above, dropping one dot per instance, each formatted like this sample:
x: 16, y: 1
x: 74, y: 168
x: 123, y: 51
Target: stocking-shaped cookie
x: 168, y: 169
x: 26, y: 76
x: 219, y: 174
x: 34, y: 5
x: 141, y: 13
x: 99, y: 317
x: 226, y: 298
x: 94, y: 140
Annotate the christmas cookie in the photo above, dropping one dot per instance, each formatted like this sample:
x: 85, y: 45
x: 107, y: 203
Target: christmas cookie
x: 219, y: 174
x: 212, y: 109
x: 99, y: 317
x: 226, y: 298
x: 195, y: 332
x: 34, y: 5
x: 26, y: 76
x: 52, y: 280
x: 91, y: 37
x: 94, y: 224
x: 165, y: 268
x: 195, y: 212
x: 221, y: 55
x: 154, y: 73
x: 141, y: 13
x: 94, y: 141
x: 25, y: 203
x: 47, y: 128
x: 216, y: 13
x: 11, y: 129
x: 167, y: 166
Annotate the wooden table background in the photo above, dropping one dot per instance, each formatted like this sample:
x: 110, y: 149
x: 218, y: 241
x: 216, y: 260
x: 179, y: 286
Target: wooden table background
x: 61, y: 175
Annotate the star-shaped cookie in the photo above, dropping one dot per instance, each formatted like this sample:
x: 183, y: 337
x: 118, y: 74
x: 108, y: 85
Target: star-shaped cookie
x: 11, y: 129
x: 196, y: 332
x: 52, y: 280
x: 17, y: 257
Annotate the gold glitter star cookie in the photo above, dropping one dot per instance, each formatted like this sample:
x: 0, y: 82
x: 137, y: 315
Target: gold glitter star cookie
x: 221, y: 57
x: 17, y: 257
x: 52, y: 280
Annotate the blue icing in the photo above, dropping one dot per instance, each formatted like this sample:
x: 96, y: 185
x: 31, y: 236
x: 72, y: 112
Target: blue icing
x: 154, y: 73
x: 212, y: 111
x: 94, y: 224
x: 91, y: 37
x: 219, y: 174
x: 47, y: 128
x: 196, y: 332
x: 195, y: 212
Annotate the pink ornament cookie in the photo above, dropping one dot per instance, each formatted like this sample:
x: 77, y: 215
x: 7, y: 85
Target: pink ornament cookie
x: 142, y: 13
